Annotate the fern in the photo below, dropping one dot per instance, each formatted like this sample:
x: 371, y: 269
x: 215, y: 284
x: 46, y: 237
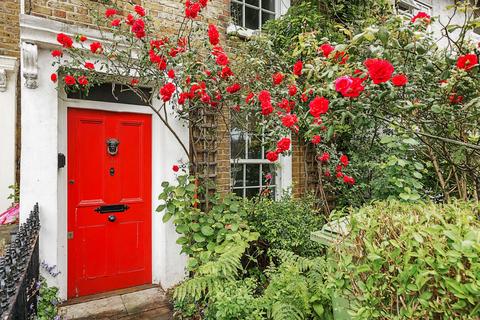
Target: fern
x: 284, y: 311
x: 213, y: 273
x: 287, y: 257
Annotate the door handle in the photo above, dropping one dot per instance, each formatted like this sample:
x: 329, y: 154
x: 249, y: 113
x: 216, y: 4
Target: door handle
x: 112, y: 208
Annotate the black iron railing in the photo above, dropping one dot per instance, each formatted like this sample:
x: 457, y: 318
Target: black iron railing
x: 19, y: 272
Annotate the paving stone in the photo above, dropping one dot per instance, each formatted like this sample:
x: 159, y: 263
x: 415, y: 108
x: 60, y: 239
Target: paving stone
x: 96, y: 309
x: 144, y: 300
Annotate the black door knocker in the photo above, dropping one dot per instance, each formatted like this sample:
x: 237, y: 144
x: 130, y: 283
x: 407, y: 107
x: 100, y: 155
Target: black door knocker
x: 112, y: 146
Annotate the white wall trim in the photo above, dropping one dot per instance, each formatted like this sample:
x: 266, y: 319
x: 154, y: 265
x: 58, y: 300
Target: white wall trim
x: 8, y: 118
x: 44, y: 135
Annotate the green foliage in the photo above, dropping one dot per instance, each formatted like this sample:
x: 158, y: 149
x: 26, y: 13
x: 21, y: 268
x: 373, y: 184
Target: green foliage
x: 335, y: 20
x: 15, y: 195
x: 411, y: 261
x: 205, y: 235
x: 47, y: 302
x: 399, y: 174
x: 286, y: 224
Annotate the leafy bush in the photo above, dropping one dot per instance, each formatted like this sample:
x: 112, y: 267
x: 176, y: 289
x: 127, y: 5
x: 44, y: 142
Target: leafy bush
x: 418, y: 261
x: 205, y: 235
x: 47, y: 302
x: 286, y: 224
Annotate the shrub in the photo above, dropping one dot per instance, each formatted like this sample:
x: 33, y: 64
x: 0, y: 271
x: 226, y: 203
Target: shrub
x: 286, y: 224
x: 418, y: 261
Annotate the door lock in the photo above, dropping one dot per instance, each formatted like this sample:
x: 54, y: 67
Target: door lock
x: 112, y: 218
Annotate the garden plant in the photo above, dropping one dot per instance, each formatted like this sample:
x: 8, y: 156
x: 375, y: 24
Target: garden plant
x: 390, y: 116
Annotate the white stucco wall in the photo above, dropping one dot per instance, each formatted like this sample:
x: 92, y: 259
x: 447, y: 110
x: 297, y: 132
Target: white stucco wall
x: 44, y: 135
x: 8, y: 102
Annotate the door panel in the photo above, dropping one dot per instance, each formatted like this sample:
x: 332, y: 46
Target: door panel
x: 108, y: 251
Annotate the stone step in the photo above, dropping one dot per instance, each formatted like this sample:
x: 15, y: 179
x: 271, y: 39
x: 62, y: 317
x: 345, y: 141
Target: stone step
x: 147, y: 304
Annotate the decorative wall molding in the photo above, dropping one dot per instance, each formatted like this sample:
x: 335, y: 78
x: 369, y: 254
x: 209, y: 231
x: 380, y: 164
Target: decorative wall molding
x: 7, y: 64
x: 30, y: 64
x: 3, y: 80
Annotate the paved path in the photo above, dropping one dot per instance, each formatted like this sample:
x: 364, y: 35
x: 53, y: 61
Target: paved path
x: 147, y: 304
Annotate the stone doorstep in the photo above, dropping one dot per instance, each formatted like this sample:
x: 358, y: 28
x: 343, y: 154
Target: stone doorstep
x: 144, y: 304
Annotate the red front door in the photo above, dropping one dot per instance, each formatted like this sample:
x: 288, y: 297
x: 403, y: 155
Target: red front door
x: 109, y: 201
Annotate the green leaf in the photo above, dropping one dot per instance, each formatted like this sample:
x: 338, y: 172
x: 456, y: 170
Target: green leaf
x: 207, y: 231
x: 166, y: 217
x: 198, y: 237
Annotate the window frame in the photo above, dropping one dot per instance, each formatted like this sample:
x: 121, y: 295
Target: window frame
x: 283, y: 169
x: 281, y: 7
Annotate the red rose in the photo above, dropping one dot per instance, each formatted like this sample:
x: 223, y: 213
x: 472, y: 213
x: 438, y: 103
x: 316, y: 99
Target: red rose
x: 82, y: 80
x: 130, y: 19
x: 343, y: 83
x: 283, y: 145
x: 348, y: 180
x: 203, y: 3
x: 349, y: 86
x: 249, y: 97
x: 423, y: 16
x: 69, y: 80
x: 297, y: 68
x: 318, y: 106
x: 171, y: 73
x: 326, y: 49
x: 110, y: 12
x: 64, y: 40
x: 213, y: 35
x: 277, y: 78
x: 139, y: 10
x: 455, y: 99
x: 222, y: 59
x: 53, y: 77
x: 134, y: 82
x: 272, y: 156
x: 324, y: 157
x: 467, y: 62
x: 399, y: 80
x: 138, y: 28
x: 115, y: 22
x: 226, y: 72
x: 327, y: 173
x: 96, y: 47
x: 57, y: 53
x: 344, y: 160
x: 167, y: 91
x: 175, y: 168
x: 379, y: 70
x: 233, y: 88
x: 316, y: 139
x: 292, y: 90
x: 89, y: 65
x: 82, y: 38
x: 289, y: 120
x: 192, y: 9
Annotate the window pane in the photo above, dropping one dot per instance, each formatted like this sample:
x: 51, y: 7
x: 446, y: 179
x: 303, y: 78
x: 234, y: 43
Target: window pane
x: 254, y: 148
x: 268, y: 171
x: 252, y: 175
x: 267, y: 16
x: 268, y: 5
x: 237, y: 175
x: 252, y: 192
x: 236, y: 13
x: 253, y: 2
x: 238, y: 192
x: 251, y: 18
x: 237, y: 146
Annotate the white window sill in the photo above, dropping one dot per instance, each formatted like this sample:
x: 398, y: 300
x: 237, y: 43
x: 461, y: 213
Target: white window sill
x: 241, y: 32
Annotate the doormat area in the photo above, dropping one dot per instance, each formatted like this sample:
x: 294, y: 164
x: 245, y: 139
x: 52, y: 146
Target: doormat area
x: 148, y: 304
